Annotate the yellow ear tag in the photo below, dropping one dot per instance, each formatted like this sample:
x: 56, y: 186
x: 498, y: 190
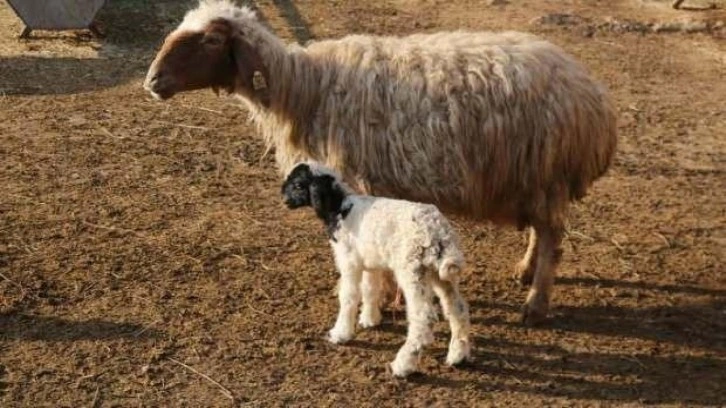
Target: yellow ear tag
x: 258, y: 81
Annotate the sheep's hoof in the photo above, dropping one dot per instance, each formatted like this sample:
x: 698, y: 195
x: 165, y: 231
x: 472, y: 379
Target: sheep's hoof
x: 534, y: 311
x: 524, y: 273
x: 339, y: 336
x: 459, y: 353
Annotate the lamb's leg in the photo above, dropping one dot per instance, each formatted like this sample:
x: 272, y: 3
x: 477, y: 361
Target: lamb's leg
x: 372, y: 290
x: 548, y: 257
x: 349, y: 297
x: 420, y: 313
x: 456, y: 311
x: 524, y: 269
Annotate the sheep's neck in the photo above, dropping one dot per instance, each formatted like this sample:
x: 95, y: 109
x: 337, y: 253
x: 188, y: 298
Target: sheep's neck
x: 295, y: 92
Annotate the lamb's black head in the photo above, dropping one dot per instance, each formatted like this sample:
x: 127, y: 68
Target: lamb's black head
x: 321, y: 191
x: 296, y: 188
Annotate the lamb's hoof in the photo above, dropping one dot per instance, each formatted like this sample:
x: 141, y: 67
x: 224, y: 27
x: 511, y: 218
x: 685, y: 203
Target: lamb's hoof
x: 534, y: 313
x: 399, y: 370
x: 369, y: 320
x: 524, y: 273
x: 459, y: 353
x: 339, y: 337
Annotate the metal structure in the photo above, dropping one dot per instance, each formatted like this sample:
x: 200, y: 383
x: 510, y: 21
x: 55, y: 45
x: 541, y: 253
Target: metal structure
x: 57, y: 14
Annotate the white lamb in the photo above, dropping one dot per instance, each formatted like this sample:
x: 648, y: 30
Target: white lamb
x: 412, y: 240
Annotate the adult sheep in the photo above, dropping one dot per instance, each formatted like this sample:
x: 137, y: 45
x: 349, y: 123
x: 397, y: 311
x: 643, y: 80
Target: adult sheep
x: 504, y: 127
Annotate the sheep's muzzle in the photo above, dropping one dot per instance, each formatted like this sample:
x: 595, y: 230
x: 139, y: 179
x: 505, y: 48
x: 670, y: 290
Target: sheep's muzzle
x: 158, y: 85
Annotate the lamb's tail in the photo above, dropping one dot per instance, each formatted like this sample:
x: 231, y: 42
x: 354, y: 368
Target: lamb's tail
x: 451, y: 263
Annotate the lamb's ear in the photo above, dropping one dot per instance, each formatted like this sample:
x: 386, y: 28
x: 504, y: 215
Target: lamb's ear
x: 252, y: 74
x: 322, y: 196
x: 317, y: 194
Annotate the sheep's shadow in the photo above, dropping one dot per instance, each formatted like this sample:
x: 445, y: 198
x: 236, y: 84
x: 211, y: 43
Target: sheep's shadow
x: 693, y: 376
x: 614, y: 283
x: 18, y: 326
x: 623, y: 377
x: 697, y: 324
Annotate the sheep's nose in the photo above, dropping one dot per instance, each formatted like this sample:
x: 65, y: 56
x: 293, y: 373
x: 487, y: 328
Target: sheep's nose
x: 152, y: 80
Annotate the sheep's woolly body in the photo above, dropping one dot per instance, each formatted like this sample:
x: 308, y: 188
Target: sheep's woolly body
x: 514, y: 125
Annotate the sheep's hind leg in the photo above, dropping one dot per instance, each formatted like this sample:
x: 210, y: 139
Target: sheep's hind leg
x: 420, y: 313
x: 549, y: 238
x: 524, y: 269
x: 349, y: 298
x: 456, y: 311
x: 372, y: 290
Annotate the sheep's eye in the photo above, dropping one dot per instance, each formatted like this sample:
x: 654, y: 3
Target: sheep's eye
x: 213, y: 40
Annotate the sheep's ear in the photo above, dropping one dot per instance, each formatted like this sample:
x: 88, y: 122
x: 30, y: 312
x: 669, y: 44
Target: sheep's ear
x: 252, y: 74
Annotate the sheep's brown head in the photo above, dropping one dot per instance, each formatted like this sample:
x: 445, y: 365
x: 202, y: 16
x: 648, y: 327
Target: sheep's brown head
x: 207, y: 50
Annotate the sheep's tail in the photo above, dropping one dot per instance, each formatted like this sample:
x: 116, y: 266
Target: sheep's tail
x: 451, y: 263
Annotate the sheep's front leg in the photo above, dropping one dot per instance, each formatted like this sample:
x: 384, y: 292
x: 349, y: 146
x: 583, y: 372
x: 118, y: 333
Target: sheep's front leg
x: 372, y: 288
x: 420, y: 313
x: 349, y: 298
x: 525, y: 268
x: 456, y: 311
x: 549, y: 253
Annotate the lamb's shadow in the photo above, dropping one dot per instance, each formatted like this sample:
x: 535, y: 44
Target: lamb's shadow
x: 18, y: 326
x: 133, y: 30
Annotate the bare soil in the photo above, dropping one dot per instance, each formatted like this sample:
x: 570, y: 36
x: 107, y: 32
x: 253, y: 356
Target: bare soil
x: 145, y: 253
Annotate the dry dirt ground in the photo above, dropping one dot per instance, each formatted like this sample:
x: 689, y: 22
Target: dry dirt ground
x: 145, y: 252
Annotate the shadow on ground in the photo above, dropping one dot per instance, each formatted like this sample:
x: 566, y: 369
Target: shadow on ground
x: 17, y: 326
